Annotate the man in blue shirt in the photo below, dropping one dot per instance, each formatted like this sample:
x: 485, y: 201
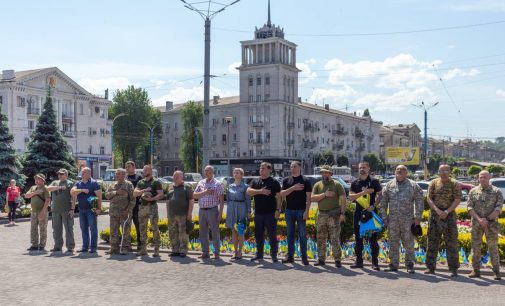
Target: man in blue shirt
x: 84, y: 190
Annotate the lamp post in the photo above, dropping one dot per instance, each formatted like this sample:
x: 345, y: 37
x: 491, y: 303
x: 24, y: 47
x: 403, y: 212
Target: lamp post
x: 112, y: 137
x: 228, y: 120
x: 425, y: 108
x: 151, y: 135
x: 207, y: 14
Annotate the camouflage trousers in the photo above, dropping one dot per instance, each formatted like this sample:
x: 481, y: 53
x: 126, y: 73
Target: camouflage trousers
x: 492, y: 244
x: 117, y: 221
x: 38, y: 224
x: 399, y: 229
x: 449, y: 229
x: 177, y: 232
x: 328, y: 227
x: 149, y: 212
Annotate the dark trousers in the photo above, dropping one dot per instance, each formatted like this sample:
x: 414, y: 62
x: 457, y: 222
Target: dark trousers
x: 358, y: 247
x: 294, y: 218
x: 87, y: 220
x: 12, y: 210
x: 135, y: 218
x: 268, y: 221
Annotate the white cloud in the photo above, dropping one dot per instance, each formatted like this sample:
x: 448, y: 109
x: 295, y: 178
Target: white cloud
x: 157, y: 83
x: 307, y: 74
x: 183, y: 94
x: 451, y: 74
x: 333, y: 95
x: 500, y: 93
x: 232, y: 68
x: 98, y: 86
x: 395, y: 102
x: 480, y: 5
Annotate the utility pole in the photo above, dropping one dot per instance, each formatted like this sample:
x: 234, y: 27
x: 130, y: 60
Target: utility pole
x: 207, y: 14
x: 228, y: 120
x: 425, y: 108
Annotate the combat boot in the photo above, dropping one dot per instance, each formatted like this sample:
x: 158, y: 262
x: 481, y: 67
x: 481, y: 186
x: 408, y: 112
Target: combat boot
x: 141, y: 252
x: 156, y: 252
x: 497, y: 275
x: 474, y: 274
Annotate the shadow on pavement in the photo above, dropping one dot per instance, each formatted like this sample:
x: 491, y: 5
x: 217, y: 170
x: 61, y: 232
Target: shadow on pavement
x: 151, y: 260
x: 214, y: 262
x: 183, y: 261
x: 86, y: 255
x: 118, y: 257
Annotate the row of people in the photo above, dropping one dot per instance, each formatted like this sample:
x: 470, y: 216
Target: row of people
x: 401, y: 203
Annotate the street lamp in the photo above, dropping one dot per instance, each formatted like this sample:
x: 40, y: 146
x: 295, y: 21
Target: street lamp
x: 425, y: 108
x: 207, y: 14
x: 112, y: 137
x: 151, y: 135
x: 228, y: 120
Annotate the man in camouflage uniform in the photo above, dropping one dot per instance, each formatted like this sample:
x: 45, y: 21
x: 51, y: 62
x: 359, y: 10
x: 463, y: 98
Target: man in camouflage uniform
x: 150, y: 190
x: 485, y: 204
x: 179, y: 211
x: 444, y: 195
x: 120, y: 194
x: 404, y: 199
x: 39, y: 201
x: 331, y: 204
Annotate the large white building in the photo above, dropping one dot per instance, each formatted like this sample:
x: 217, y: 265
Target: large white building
x: 81, y: 116
x: 268, y: 120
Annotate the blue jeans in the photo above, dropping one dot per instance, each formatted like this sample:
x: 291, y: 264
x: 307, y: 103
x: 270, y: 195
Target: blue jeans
x: 293, y: 218
x: 87, y: 220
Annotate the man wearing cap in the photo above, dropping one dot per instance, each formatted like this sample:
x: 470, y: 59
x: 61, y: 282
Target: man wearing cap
x: 39, y: 200
x: 62, y: 209
x: 85, y: 190
x: 331, y: 202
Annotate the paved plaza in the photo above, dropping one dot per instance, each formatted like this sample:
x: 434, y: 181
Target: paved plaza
x: 38, y: 278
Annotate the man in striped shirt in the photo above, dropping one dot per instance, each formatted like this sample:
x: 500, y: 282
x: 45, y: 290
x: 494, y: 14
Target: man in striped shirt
x: 210, y: 195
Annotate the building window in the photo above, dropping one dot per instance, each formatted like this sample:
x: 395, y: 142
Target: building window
x: 214, y: 137
x: 102, y: 150
x: 102, y: 132
x: 258, y: 81
x: 251, y: 81
x: 251, y: 135
x: 90, y: 149
x: 251, y: 152
x: 224, y: 138
x: 258, y: 98
x: 267, y: 97
x: 31, y: 124
x: 267, y: 136
x: 267, y: 80
x: 176, y: 126
x: 176, y: 140
x: 234, y: 137
x: 251, y: 98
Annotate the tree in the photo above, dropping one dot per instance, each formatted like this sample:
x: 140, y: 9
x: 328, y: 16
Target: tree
x: 131, y: 138
x: 326, y: 158
x: 374, y: 161
x: 342, y: 160
x: 495, y: 169
x: 473, y: 170
x: 9, y: 165
x: 47, y: 150
x: 456, y: 171
x: 192, y: 118
x: 366, y: 113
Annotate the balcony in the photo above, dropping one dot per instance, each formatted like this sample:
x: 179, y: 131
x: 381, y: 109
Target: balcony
x: 291, y: 142
x: 359, y: 134
x: 67, y: 117
x: 361, y: 148
x: 67, y: 134
x: 33, y: 111
x: 309, y: 144
x: 257, y: 124
x: 291, y: 125
x: 256, y: 141
x: 337, y: 146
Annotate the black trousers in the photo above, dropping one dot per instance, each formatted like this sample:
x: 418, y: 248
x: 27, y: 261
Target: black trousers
x: 358, y: 247
x: 12, y: 210
x: 135, y: 218
x: 268, y: 221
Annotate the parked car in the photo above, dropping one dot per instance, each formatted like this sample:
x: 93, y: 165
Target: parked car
x: 168, y: 178
x: 424, y: 186
x: 500, y: 183
x: 192, y: 178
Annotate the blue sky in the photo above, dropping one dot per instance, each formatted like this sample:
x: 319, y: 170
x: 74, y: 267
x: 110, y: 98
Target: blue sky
x: 159, y: 45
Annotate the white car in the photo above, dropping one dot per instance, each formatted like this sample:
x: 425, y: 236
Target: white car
x: 500, y: 183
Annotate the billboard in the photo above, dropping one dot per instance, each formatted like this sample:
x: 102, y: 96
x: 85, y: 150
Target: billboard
x: 404, y: 156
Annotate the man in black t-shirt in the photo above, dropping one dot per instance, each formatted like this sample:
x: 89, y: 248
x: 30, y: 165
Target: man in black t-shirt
x: 297, y: 190
x: 362, y: 186
x: 267, y: 208
x: 134, y: 179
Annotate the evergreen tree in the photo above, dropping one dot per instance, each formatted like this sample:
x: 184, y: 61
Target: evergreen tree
x: 9, y: 165
x: 47, y: 150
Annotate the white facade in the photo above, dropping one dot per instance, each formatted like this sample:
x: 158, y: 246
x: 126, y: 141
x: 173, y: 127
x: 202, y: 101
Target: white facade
x: 81, y: 116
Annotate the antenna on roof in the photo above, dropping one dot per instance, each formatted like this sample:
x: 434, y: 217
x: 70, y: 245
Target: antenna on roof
x: 269, y: 23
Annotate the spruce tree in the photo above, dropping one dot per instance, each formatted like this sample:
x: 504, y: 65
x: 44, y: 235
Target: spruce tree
x: 47, y: 150
x: 9, y: 165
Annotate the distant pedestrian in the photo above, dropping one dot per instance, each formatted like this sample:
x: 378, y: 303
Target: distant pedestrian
x: 88, y: 192
x: 134, y: 178
x: 13, y: 198
x: 180, y: 212
x: 39, y: 201
x: 238, y: 211
x: 210, y: 195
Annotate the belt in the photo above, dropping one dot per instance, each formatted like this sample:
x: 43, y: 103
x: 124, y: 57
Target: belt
x: 240, y: 201
x: 207, y: 208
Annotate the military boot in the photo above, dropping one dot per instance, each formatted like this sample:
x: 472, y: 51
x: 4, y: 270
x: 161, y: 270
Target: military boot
x: 141, y: 252
x: 497, y: 275
x: 156, y: 252
x: 474, y: 274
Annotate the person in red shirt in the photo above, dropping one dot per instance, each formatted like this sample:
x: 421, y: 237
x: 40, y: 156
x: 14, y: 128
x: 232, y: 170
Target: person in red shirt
x: 13, y: 196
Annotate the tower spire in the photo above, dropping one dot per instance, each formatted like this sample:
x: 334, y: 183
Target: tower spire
x: 269, y: 23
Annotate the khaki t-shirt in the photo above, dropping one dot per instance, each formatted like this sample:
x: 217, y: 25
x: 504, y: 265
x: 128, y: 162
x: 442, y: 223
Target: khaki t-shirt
x: 328, y: 203
x: 37, y: 201
x: 61, y: 199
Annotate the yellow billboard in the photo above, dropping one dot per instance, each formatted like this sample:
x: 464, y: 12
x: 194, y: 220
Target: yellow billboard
x: 403, y: 156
